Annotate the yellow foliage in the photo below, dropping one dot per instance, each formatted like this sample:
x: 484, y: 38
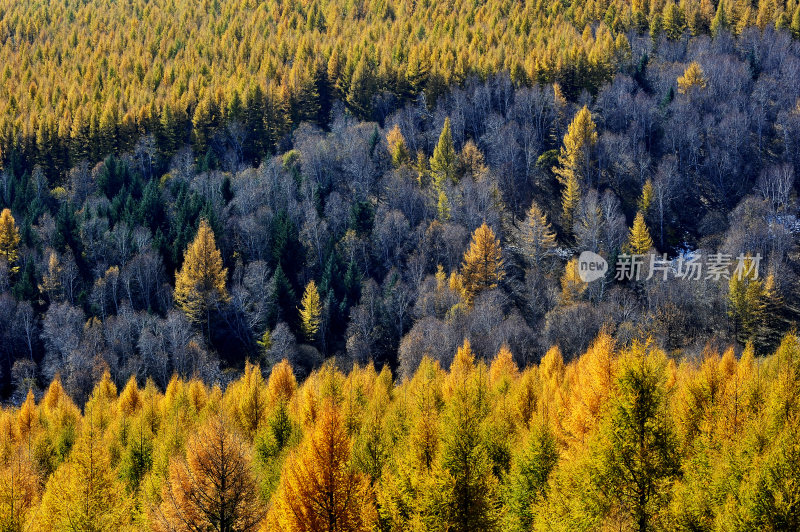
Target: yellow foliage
x: 572, y: 286
x: 503, y: 370
x: 282, y: 383
x: 130, y: 400
x: 310, y: 311
x: 592, y: 384
x: 19, y: 493
x: 692, y: 78
x: 319, y: 490
x: 639, y: 241
x: 247, y: 400
x: 482, y: 268
x: 213, y: 488
x: 647, y: 197
x: 84, y: 493
x: 200, y: 284
x: 397, y: 147
x: 574, y: 162
x: 9, y: 240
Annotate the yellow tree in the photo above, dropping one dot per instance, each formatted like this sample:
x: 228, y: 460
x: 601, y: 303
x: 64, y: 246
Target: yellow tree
x: 482, y: 268
x: 282, y: 383
x: 572, y: 286
x: 9, y: 239
x: 200, y: 284
x: 84, y: 493
x: 246, y: 400
x: 471, y: 161
x: 692, y: 78
x: 503, y: 370
x: 647, y: 196
x: 19, y: 491
x: 444, y: 159
x: 574, y: 162
x: 213, y: 488
x: 397, y: 147
x: 746, y: 303
x: 51, y: 280
x: 310, y: 311
x: 319, y: 490
x: 639, y: 241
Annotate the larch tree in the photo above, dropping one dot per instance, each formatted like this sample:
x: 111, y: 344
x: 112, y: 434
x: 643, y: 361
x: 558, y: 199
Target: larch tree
x: 720, y: 21
x: 319, y: 489
x: 282, y: 383
x: 84, y: 493
x: 574, y: 163
x: 572, y: 286
x: 444, y: 159
x: 397, y: 147
x: 692, y: 78
x: 9, y: 240
x: 200, y: 284
x: 536, y: 236
x: 746, y: 303
x: 639, y: 240
x: 636, y: 457
x: 795, y: 27
x: 212, y: 488
x: 310, y: 311
x: 247, y: 400
x: 527, y: 483
x: 19, y: 490
x: 466, y: 494
x: 482, y: 268
x: 646, y: 199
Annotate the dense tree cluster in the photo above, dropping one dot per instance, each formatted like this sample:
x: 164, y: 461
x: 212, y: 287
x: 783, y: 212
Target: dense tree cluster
x: 82, y: 79
x: 387, y: 241
x: 628, y: 438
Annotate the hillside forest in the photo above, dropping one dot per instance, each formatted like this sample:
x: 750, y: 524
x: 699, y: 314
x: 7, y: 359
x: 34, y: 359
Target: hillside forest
x: 279, y: 265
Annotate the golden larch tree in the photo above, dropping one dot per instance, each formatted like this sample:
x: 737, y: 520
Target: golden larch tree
x: 213, y: 487
x: 444, y: 159
x: 647, y: 196
x: 574, y: 162
x: 639, y: 241
x: 746, y: 302
x: 693, y: 77
x: 246, y: 400
x: 51, y: 280
x: 572, y: 286
x: 310, y: 311
x: 19, y: 491
x: 84, y: 493
x: 9, y: 240
x: 503, y: 370
x: 482, y: 268
x: 282, y: 383
x: 397, y: 147
x: 200, y: 284
x: 319, y: 489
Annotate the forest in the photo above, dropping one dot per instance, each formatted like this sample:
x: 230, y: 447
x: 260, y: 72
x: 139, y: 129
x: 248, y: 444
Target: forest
x: 622, y: 438
x: 331, y: 253
x: 383, y: 242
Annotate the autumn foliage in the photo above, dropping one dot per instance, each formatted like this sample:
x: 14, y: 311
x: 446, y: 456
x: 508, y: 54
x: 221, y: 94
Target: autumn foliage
x: 624, y: 436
